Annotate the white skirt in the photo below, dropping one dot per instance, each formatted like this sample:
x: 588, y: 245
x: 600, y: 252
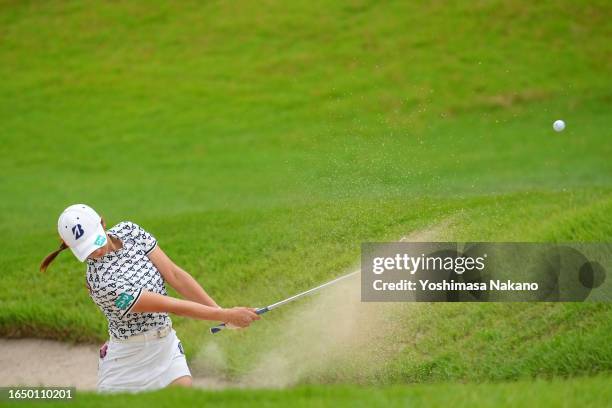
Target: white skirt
x: 145, y: 365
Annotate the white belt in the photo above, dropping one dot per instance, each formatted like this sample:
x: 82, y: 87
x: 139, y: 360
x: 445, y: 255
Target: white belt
x: 150, y: 334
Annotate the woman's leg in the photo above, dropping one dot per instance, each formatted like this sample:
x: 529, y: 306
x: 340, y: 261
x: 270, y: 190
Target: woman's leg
x: 184, y: 381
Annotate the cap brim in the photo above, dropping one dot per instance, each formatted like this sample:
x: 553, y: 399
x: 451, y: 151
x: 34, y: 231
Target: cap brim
x: 85, y: 248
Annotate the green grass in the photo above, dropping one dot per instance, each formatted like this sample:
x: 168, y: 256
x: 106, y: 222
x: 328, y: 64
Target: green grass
x: 584, y: 392
x: 262, y: 143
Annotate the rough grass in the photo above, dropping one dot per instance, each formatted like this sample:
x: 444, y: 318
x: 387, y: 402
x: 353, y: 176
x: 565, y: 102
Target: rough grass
x: 584, y: 392
x: 262, y: 143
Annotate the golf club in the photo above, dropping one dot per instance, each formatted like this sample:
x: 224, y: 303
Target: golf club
x: 263, y: 310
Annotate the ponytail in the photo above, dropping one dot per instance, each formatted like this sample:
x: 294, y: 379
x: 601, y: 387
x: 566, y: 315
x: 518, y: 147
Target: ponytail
x: 45, y: 263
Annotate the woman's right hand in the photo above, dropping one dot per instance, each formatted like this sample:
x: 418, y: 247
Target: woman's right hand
x: 240, y: 316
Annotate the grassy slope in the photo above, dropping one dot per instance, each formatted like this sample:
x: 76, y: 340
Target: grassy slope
x: 261, y: 145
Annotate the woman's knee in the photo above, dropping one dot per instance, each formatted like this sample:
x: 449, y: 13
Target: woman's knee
x: 184, y: 381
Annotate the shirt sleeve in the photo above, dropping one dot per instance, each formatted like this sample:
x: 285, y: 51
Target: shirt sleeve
x: 143, y: 238
x: 117, y: 297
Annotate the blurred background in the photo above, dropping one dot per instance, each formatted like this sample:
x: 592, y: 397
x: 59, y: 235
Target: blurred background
x: 262, y: 142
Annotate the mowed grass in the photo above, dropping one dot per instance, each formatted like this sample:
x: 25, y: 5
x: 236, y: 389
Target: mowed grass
x: 262, y: 143
x: 584, y: 392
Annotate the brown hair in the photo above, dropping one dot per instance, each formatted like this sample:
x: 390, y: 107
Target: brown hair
x: 49, y: 258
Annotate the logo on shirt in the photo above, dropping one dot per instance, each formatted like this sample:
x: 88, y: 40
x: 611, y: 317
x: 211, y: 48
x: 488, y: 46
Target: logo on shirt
x: 78, y: 232
x: 123, y: 300
x: 100, y: 240
x: 103, y: 350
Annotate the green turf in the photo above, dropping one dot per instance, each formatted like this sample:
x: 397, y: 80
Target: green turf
x: 584, y: 392
x: 261, y: 144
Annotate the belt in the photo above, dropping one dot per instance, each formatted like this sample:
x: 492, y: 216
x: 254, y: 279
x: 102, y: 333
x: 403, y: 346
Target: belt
x: 148, y: 335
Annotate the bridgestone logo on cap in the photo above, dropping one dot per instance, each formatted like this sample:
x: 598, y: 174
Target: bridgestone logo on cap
x: 78, y: 231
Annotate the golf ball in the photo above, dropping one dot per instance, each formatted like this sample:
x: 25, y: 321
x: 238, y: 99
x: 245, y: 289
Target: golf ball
x: 559, y: 125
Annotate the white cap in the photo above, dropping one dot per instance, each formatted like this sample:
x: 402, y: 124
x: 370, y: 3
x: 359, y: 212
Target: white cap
x: 80, y: 228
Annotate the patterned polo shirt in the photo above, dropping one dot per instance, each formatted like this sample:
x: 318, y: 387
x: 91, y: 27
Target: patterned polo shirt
x: 117, y: 279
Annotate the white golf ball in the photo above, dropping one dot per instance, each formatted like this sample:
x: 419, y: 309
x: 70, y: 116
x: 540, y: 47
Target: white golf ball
x: 559, y: 125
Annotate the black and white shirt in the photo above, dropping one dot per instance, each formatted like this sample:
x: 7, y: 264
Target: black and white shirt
x: 117, y: 279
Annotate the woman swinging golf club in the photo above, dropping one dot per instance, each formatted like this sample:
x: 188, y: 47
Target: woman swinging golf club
x: 126, y: 271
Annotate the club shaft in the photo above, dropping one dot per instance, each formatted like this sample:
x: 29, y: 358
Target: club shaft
x: 263, y: 310
x: 309, y: 291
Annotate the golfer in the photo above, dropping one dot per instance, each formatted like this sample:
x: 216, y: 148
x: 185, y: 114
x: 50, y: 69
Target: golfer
x: 126, y: 273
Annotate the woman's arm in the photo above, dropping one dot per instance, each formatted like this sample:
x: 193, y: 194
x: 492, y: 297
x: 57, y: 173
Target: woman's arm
x: 155, y: 302
x: 180, y: 280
